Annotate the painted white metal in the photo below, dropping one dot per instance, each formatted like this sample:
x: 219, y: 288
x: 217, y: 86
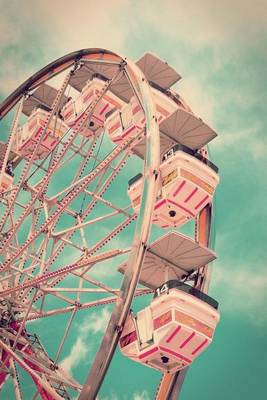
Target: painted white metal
x: 28, y: 134
x: 186, y: 186
x: 130, y: 119
x: 26, y: 264
x: 182, y: 329
x: 158, y: 71
x: 141, y: 237
x: 172, y: 256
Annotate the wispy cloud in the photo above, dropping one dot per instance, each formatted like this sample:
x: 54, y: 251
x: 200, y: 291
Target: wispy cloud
x: 95, y: 323
x: 78, y: 352
x: 242, y: 290
x: 192, y: 90
x: 88, y: 25
x: 207, y: 22
x: 136, y: 396
x: 16, y: 30
x: 249, y: 135
x: 141, y: 396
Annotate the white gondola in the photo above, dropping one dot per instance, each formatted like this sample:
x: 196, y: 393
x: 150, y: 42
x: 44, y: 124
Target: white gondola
x: 175, y: 329
x: 74, y: 110
x: 187, y: 184
x: 120, y: 124
x: 131, y: 119
x: 28, y: 134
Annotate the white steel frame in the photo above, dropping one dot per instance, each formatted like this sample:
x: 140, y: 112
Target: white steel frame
x: 29, y: 270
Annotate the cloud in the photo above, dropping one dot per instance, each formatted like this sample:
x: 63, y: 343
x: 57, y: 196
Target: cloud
x: 21, y: 43
x: 91, y: 24
x: 68, y: 27
x: 207, y: 22
x: 112, y: 396
x: 8, y: 31
x: 77, y: 354
x: 258, y: 148
x: 136, y: 396
x: 95, y: 323
x: 193, y: 91
x: 242, y: 290
x: 141, y: 396
x: 13, y: 72
x: 43, y: 31
x: 249, y: 135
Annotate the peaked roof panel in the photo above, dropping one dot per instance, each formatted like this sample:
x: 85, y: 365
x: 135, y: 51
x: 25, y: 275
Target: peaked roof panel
x: 158, y: 71
x: 170, y: 257
x: 88, y: 70
x: 186, y: 128
x: 44, y: 95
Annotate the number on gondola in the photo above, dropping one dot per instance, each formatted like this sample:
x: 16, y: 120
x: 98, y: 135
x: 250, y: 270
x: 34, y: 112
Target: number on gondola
x: 162, y: 289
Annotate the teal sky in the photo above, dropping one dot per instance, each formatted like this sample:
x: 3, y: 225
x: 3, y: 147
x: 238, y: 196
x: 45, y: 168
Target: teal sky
x: 220, y: 51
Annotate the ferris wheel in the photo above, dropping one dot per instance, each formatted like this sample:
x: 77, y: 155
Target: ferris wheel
x: 98, y: 152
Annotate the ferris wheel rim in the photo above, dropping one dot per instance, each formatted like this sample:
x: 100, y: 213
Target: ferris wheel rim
x: 150, y: 173
x: 49, y: 71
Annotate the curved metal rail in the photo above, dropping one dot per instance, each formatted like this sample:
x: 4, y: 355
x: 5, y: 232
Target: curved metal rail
x: 51, y: 70
x: 142, y: 231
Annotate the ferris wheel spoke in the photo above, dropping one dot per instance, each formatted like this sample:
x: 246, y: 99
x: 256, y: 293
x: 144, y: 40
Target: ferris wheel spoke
x: 60, y: 234
x: 100, y: 190
x: 81, y: 290
x: 75, y: 150
x: 83, y: 183
x: 48, y: 373
x: 101, y: 288
x: 28, y: 163
x: 22, y: 325
x: 36, y: 259
x: 61, y: 197
x: 31, y: 371
x: 90, y: 259
x: 35, y: 361
x: 83, y: 306
x: 97, y: 247
x: 100, y: 168
x: 64, y: 337
x: 68, y: 309
x: 109, y: 203
x: 11, y: 337
x: 11, y: 371
x: 100, y: 244
x: 87, y: 114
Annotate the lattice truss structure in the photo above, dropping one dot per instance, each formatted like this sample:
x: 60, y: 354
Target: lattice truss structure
x: 78, y: 131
